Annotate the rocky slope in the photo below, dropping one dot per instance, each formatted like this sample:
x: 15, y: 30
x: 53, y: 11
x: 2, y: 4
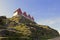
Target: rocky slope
x: 20, y: 28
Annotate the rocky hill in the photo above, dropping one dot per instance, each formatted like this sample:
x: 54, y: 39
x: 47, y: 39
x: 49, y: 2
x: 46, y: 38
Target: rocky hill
x: 20, y: 28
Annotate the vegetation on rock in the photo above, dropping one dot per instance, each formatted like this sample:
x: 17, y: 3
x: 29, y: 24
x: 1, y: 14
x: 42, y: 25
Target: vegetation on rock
x: 20, y: 28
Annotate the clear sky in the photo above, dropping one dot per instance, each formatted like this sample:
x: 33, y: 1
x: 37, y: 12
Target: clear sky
x: 46, y: 12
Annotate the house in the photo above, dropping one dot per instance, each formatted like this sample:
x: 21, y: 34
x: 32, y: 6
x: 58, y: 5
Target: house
x: 19, y: 12
x: 25, y: 14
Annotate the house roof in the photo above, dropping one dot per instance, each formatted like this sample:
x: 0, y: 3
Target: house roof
x: 29, y: 16
x: 19, y: 11
x: 25, y: 14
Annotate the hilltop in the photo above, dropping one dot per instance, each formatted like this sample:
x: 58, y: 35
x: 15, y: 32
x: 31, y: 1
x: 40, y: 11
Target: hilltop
x: 23, y: 27
x: 17, y: 28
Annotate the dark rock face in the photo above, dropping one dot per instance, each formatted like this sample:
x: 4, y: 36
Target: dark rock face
x: 3, y: 20
x: 20, y: 28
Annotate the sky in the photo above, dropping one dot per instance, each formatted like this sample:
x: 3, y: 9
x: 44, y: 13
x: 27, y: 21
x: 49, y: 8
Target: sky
x: 45, y: 12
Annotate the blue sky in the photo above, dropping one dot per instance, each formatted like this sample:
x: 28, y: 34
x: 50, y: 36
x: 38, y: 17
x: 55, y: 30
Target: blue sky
x: 46, y: 12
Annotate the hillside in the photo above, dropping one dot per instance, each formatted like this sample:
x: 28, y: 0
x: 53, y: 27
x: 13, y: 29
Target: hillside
x: 20, y: 28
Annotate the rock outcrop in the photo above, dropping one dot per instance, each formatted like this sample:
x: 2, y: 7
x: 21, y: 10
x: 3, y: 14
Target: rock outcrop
x: 20, y: 28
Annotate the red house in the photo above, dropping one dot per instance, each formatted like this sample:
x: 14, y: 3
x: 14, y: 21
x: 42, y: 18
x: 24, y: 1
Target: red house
x: 29, y: 16
x: 25, y: 14
x: 33, y: 18
x: 18, y: 11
